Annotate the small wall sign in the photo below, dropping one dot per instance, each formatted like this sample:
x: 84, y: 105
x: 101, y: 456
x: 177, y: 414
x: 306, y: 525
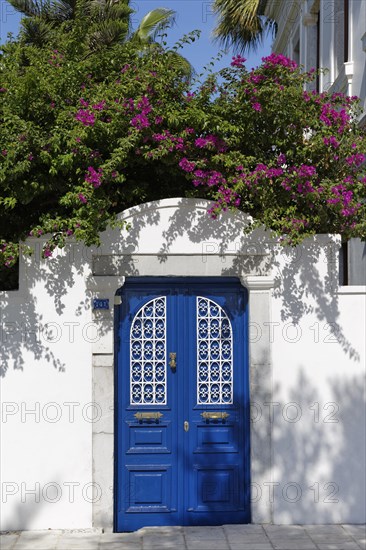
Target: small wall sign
x: 100, y: 303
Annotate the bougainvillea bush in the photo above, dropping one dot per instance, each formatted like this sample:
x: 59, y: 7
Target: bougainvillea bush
x: 83, y: 137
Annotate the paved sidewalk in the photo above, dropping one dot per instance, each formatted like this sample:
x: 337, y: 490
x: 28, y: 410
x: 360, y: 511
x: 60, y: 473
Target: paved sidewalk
x: 227, y: 537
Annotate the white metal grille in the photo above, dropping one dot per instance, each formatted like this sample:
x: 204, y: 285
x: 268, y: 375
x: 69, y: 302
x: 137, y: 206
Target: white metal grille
x: 214, y: 354
x: 148, y: 354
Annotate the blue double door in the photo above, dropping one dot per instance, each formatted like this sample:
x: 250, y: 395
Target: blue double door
x: 182, y: 404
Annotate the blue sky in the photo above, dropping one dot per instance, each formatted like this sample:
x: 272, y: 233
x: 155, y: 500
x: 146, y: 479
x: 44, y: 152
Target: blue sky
x: 191, y: 15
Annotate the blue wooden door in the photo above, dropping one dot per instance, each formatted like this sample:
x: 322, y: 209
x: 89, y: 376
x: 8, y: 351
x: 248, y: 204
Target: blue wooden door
x: 182, y: 404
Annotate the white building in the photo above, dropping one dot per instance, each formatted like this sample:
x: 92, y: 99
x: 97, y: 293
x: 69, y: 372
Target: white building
x: 327, y: 34
x: 263, y: 423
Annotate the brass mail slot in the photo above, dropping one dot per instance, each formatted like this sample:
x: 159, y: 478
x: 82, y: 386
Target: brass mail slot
x: 215, y: 415
x: 148, y: 415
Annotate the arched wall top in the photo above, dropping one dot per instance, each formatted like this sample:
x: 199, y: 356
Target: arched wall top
x: 183, y: 226
x: 177, y: 237
x: 178, y: 202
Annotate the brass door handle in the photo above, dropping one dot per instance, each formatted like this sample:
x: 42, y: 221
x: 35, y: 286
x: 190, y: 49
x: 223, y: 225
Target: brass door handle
x: 173, y: 361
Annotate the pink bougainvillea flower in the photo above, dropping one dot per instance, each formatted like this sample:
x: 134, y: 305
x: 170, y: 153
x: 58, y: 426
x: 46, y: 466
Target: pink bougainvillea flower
x: 305, y: 171
x: 94, y: 177
x: 256, y: 78
x: 99, y: 106
x: 238, y: 61
x: 186, y: 165
x: 210, y: 140
x: 278, y: 59
x: 332, y: 141
x: 140, y: 121
x: 86, y: 117
x: 47, y: 253
x: 356, y: 160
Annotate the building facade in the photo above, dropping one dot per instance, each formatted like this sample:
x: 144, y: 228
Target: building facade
x: 325, y: 34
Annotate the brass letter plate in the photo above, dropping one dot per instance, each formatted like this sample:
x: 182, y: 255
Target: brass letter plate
x: 215, y: 415
x: 148, y: 415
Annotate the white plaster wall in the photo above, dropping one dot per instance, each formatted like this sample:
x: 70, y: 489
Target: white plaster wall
x: 46, y: 367
x: 319, y: 404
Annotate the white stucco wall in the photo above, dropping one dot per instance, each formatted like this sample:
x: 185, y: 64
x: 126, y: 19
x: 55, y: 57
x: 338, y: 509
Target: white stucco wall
x: 319, y: 433
x: 54, y: 366
x: 46, y: 391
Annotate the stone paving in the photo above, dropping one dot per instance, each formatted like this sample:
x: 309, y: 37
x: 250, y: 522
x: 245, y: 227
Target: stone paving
x: 227, y: 537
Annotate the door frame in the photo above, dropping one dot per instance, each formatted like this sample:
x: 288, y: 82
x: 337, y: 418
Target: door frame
x: 250, y: 262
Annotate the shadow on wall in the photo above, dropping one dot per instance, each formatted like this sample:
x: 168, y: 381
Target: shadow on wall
x: 210, y: 237
x: 26, y: 505
x: 300, y: 285
x: 350, y: 462
x: 304, y: 290
x: 24, y: 322
x: 22, y: 329
x: 26, y: 325
x: 319, y: 452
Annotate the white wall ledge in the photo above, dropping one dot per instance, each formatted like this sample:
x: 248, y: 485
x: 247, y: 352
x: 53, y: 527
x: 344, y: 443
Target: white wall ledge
x: 352, y: 289
x: 258, y: 282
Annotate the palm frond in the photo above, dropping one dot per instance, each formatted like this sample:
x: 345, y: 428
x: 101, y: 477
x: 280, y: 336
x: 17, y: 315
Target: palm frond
x: 109, y: 9
x: 63, y: 10
x: 107, y: 33
x: 36, y: 31
x: 49, y: 10
x: 31, y: 8
x: 242, y: 23
x: 182, y: 64
x: 152, y: 23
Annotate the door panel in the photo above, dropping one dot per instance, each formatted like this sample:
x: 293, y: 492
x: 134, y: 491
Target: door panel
x: 214, y: 490
x: 147, y: 439
x: 182, y: 426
